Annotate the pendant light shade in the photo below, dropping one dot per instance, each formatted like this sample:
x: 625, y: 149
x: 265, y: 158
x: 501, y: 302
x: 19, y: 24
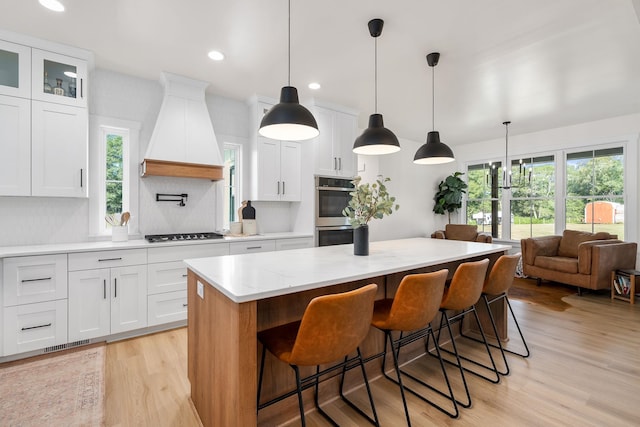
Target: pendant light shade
x: 433, y: 152
x: 376, y: 139
x: 288, y: 120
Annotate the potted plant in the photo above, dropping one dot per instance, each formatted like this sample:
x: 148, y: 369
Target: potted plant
x: 368, y: 201
x: 449, y: 196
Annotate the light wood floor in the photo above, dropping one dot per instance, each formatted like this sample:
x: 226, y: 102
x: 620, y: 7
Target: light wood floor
x: 584, y: 370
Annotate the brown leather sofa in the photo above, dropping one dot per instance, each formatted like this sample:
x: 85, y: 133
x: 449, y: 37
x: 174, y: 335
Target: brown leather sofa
x: 577, y: 258
x: 466, y: 232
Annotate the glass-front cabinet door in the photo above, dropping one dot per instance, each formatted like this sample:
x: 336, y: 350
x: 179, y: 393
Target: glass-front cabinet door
x: 59, y: 78
x: 15, y: 70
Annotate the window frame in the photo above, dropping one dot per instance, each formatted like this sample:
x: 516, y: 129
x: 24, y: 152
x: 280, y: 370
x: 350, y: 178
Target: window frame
x: 100, y: 127
x: 238, y: 148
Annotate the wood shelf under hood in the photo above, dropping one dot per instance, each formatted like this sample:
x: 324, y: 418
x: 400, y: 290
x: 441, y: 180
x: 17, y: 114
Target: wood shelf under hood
x: 150, y: 167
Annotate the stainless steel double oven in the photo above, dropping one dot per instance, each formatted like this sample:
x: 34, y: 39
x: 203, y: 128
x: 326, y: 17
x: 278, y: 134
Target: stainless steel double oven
x: 332, y: 196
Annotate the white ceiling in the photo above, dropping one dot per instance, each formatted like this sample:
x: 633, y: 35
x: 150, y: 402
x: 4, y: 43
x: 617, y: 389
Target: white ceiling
x: 539, y: 63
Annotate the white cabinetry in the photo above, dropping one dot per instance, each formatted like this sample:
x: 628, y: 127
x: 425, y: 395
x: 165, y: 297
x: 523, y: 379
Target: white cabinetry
x: 250, y: 247
x: 107, y: 300
x: 34, y: 293
x: 167, y: 280
x: 66, y: 78
x: 15, y: 137
x: 59, y: 150
x: 276, y: 165
x: 297, y: 243
x: 333, y: 148
x: 277, y: 170
x: 15, y: 69
x: 43, y: 117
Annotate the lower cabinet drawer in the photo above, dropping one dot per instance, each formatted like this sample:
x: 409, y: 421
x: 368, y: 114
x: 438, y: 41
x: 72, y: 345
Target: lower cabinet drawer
x: 34, y: 326
x: 236, y: 248
x: 297, y: 243
x: 167, y: 307
x: 166, y: 277
x: 35, y: 279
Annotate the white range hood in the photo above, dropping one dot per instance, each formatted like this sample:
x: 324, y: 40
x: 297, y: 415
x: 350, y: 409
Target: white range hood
x: 183, y: 143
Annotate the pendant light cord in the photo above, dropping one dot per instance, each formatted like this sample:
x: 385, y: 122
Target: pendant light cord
x: 375, y: 55
x: 289, y: 41
x: 433, y: 99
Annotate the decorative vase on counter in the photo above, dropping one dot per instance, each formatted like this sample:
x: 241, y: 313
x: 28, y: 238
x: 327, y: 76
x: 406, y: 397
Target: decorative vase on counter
x: 361, y: 240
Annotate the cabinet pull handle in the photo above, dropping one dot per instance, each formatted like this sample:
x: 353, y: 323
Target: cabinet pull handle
x: 36, y: 327
x: 81, y: 88
x: 254, y: 247
x: 184, y: 305
x: 110, y: 259
x: 278, y: 187
x: 104, y: 288
x: 80, y: 177
x: 35, y: 280
x: 283, y: 188
x: 335, y: 163
x: 184, y: 275
x: 339, y: 163
x: 115, y: 288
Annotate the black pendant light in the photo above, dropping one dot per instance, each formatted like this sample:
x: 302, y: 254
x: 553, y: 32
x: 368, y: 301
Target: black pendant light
x: 376, y: 139
x: 433, y: 152
x: 288, y: 120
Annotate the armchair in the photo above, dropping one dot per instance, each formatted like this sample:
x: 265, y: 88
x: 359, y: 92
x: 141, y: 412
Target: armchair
x: 466, y: 232
x: 577, y: 258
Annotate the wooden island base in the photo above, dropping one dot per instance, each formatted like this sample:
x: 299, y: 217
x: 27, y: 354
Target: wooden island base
x: 223, y: 351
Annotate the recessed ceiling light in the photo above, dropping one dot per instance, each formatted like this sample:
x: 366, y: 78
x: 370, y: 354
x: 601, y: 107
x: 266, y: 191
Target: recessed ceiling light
x: 216, y: 56
x: 314, y: 86
x: 54, y: 5
x: 70, y: 74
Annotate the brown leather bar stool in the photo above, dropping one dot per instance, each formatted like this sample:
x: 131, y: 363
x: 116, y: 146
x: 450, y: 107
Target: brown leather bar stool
x: 332, y: 327
x: 414, y: 306
x: 462, y: 294
x: 495, y: 289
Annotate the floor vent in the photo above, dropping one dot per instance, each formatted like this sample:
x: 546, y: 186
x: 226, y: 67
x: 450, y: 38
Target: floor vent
x: 65, y: 346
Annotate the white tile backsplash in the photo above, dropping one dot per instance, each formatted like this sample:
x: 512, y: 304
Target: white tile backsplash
x: 198, y: 215
x: 42, y: 220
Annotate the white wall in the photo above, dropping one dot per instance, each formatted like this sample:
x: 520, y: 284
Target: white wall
x: 413, y: 186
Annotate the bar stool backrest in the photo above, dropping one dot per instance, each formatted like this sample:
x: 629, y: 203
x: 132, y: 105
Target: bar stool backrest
x: 333, y: 326
x: 417, y: 301
x: 501, y: 276
x: 466, y: 285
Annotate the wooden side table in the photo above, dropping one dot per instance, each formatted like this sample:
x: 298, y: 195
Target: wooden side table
x: 623, y: 285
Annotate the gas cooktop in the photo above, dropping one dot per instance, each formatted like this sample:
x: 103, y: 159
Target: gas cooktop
x: 153, y: 238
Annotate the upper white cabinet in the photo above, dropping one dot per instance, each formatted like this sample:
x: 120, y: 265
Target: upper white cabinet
x: 15, y: 140
x: 276, y: 165
x: 333, y: 148
x: 59, y: 150
x: 58, y: 78
x: 43, y: 118
x: 15, y: 69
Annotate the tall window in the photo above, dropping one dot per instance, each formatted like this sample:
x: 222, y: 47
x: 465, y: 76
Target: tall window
x: 533, y: 198
x: 232, y: 154
x: 113, y: 183
x: 483, y: 198
x: 595, y: 191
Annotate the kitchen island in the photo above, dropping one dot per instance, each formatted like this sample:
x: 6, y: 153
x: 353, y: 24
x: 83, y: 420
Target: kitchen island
x: 231, y: 298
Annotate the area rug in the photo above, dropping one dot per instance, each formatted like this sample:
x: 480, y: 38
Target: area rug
x: 55, y: 390
x: 550, y: 295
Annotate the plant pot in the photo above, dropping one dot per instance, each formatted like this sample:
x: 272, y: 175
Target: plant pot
x: 361, y: 240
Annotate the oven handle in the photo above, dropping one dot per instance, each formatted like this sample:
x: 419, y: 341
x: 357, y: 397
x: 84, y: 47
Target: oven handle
x: 337, y: 227
x: 335, y: 189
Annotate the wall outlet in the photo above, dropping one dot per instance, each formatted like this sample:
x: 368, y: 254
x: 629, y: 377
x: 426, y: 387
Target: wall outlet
x: 200, y: 290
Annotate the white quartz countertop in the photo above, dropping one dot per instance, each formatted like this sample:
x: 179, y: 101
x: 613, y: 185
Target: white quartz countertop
x: 250, y: 277
x: 28, y: 250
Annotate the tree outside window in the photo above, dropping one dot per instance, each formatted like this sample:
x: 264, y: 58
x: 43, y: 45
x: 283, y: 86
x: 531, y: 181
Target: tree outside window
x: 595, y: 191
x: 114, y: 174
x: 483, y: 198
